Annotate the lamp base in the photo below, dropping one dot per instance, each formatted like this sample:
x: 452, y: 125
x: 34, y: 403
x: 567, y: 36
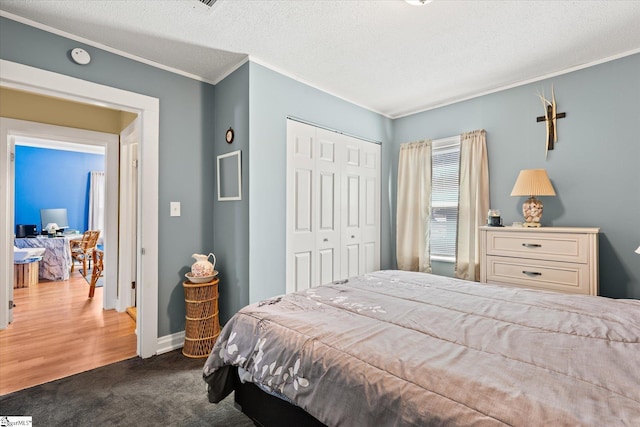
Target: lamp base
x: 531, y: 224
x: 532, y: 210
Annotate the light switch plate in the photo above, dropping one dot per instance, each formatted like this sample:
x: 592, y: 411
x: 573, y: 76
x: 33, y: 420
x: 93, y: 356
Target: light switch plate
x: 175, y: 208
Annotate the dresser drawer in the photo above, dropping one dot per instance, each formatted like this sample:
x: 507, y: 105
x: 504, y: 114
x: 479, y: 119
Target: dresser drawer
x: 540, y: 274
x: 539, y: 245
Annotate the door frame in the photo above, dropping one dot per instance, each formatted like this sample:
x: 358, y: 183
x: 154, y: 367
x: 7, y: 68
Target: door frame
x: 35, y: 80
x: 127, y: 253
x: 12, y: 130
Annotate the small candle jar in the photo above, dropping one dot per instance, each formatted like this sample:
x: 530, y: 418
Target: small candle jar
x: 493, y: 218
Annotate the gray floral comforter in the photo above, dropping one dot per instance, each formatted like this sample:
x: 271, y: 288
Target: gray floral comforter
x: 411, y: 349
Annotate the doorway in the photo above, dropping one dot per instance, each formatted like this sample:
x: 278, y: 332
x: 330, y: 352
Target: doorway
x: 33, y: 80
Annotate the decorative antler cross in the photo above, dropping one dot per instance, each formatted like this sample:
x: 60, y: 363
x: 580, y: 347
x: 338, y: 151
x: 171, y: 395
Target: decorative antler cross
x: 550, y: 117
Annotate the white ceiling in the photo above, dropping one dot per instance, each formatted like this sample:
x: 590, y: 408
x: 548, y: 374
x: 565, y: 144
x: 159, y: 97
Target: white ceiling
x: 385, y: 55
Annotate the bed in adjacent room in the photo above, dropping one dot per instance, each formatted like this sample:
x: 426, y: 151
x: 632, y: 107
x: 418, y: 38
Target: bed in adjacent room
x: 398, y: 348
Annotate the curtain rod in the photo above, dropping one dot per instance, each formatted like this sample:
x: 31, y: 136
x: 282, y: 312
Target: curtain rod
x: 307, y: 122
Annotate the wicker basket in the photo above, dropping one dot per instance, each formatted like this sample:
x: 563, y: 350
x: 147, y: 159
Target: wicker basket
x: 202, y: 328
x: 198, y: 348
x: 196, y: 292
x: 202, y: 325
x: 202, y: 309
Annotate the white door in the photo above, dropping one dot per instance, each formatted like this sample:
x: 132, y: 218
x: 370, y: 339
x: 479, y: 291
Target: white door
x: 300, y: 191
x: 361, y: 209
x: 370, y: 209
x: 352, y: 206
x: 333, y: 206
x: 128, y: 247
x: 327, y: 196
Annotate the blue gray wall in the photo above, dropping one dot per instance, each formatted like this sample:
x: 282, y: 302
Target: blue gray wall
x: 231, y: 218
x: 46, y: 179
x: 595, y: 167
x: 274, y: 97
x: 249, y: 234
x: 186, y: 152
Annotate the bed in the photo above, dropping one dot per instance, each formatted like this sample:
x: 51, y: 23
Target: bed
x: 395, y: 348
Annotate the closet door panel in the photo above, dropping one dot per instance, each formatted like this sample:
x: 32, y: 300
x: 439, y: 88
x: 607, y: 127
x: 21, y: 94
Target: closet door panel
x: 302, y: 195
x: 300, y: 202
x: 302, y: 270
x: 369, y: 257
x: 351, y: 260
x: 370, y: 212
x: 327, y: 241
x: 353, y: 201
x: 333, y: 206
x: 351, y: 208
x: 327, y: 265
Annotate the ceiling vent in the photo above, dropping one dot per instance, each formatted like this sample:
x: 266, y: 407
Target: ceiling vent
x: 203, y: 5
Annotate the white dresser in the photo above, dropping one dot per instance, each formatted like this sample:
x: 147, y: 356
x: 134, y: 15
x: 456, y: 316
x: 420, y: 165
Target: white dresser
x: 563, y: 259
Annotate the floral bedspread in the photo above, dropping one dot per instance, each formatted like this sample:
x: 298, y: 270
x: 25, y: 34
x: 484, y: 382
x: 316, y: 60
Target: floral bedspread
x: 56, y: 262
x: 412, y: 349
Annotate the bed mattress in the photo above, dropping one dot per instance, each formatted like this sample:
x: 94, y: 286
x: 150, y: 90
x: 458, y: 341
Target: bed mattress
x: 412, y: 349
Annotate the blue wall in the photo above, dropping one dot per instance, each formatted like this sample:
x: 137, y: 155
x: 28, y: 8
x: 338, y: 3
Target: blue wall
x: 594, y: 167
x: 231, y: 218
x: 46, y: 179
x: 249, y: 234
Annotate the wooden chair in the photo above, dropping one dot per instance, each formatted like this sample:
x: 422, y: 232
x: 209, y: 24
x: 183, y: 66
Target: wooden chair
x: 82, y: 250
x: 96, y: 273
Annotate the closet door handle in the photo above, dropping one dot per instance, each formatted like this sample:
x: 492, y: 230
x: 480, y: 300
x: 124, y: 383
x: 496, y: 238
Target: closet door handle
x: 325, y: 240
x: 531, y: 273
x: 531, y: 245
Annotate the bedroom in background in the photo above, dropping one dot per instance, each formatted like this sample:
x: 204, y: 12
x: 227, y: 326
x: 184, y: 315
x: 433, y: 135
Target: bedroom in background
x: 53, y: 165
x: 88, y: 116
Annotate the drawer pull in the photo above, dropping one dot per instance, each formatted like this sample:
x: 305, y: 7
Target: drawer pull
x: 531, y: 273
x: 531, y: 245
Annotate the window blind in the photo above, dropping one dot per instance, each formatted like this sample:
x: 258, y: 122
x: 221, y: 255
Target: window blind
x: 445, y: 158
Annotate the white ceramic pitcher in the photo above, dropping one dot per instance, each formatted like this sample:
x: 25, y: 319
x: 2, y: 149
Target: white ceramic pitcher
x: 202, y: 267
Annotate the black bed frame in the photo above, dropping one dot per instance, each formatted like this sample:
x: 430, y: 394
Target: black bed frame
x: 266, y: 410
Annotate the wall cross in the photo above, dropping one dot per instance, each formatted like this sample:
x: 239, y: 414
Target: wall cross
x: 550, y: 118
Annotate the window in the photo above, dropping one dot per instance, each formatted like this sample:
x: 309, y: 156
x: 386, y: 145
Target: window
x: 445, y: 158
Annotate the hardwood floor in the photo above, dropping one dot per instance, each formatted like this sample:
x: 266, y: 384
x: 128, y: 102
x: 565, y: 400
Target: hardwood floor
x: 57, y: 331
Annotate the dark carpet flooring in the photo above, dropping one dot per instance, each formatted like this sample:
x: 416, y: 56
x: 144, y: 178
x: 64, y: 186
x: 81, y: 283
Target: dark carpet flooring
x: 165, y: 390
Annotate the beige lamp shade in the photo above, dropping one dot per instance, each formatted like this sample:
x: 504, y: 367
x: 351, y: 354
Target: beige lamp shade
x: 638, y: 250
x: 533, y: 182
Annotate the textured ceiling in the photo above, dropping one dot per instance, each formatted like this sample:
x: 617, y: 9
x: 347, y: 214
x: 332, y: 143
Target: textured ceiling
x: 385, y: 55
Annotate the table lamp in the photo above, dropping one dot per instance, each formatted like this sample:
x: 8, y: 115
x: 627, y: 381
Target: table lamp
x: 532, y: 182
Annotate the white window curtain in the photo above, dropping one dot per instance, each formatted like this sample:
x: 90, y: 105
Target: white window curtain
x: 96, y: 201
x: 473, y: 203
x: 414, y: 207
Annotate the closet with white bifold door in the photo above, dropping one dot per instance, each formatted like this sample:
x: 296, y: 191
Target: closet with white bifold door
x: 333, y: 206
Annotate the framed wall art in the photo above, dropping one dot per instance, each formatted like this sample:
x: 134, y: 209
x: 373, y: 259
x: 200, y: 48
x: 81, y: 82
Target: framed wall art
x: 230, y: 176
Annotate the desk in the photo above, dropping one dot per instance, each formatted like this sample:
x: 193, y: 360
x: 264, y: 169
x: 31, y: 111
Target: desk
x: 56, y: 261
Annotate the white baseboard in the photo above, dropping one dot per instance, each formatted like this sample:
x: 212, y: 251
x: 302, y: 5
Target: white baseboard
x: 171, y: 342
